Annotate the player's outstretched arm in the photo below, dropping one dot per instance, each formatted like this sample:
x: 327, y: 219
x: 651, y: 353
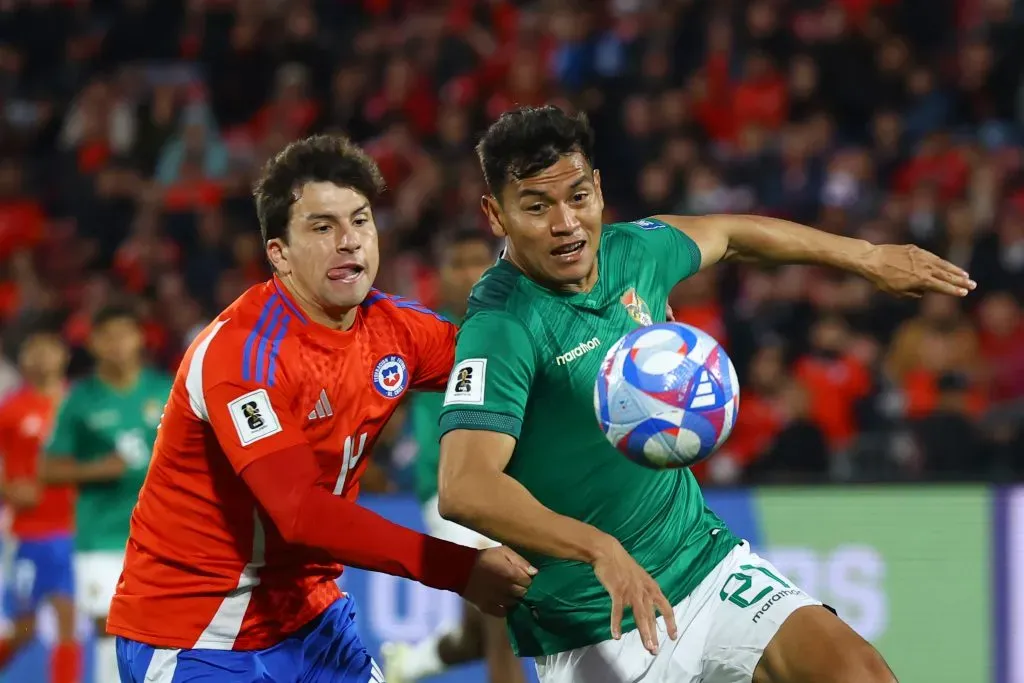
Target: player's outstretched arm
x: 899, y: 269
x: 474, y: 490
x: 285, y: 484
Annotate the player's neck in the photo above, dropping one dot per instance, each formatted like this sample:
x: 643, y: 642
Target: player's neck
x: 52, y: 387
x: 584, y: 285
x: 119, y: 377
x: 339, y: 319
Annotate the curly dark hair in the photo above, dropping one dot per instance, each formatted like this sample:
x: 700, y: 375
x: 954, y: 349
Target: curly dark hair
x: 525, y: 141
x: 319, y: 158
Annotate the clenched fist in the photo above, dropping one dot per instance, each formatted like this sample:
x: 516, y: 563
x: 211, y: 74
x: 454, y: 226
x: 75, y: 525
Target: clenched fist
x: 498, y: 581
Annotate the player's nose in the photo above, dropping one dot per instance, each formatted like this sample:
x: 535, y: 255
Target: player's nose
x: 567, y: 221
x: 347, y: 239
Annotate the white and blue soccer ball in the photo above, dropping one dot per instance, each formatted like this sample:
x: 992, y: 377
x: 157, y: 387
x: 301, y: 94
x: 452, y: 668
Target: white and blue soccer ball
x: 667, y: 395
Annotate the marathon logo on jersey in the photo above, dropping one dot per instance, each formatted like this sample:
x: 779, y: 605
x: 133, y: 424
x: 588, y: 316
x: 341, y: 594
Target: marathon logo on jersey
x: 637, y: 307
x: 391, y: 376
x: 253, y: 416
x: 466, y: 383
x: 581, y: 349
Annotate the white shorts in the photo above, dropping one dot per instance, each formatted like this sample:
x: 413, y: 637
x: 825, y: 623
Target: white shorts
x: 439, y: 527
x: 724, y: 627
x: 96, y: 577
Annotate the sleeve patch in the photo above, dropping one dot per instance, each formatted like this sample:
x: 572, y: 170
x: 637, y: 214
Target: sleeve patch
x: 254, y: 417
x: 467, y: 383
x: 649, y: 224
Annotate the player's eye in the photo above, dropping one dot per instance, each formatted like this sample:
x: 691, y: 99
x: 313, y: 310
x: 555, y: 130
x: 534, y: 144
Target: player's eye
x: 536, y: 209
x: 321, y: 228
x: 360, y: 221
x: 580, y: 197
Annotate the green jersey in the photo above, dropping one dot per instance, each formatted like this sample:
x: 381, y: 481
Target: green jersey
x: 424, y: 408
x: 526, y: 361
x: 94, y: 421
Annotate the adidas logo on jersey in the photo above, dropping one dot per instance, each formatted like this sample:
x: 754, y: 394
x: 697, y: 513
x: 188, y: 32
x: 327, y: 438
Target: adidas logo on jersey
x: 323, y: 407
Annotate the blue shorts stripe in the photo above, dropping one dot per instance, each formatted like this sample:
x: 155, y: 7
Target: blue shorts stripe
x: 326, y: 649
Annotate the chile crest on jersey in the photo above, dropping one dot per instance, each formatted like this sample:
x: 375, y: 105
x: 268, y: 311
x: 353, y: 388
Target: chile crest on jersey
x: 391, y: 376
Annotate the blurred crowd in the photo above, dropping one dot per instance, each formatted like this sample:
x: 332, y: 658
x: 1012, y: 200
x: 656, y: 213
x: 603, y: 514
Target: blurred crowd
x: 131, y: 130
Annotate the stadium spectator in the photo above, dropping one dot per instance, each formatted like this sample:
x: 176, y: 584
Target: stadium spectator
x: 131, y: 132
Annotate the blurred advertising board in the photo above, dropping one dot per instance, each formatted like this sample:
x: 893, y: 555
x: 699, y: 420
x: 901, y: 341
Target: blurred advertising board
x: 1013, y: 574
x: 909, y: 567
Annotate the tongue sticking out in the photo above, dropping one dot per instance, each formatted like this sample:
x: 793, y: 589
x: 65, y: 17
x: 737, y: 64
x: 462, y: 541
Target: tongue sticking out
x: 344, y: 274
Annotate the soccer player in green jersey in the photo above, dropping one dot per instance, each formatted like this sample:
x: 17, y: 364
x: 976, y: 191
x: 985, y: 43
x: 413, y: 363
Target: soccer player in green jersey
x: 463, y: 259
x: 524, y: 462
x: 101, y: 443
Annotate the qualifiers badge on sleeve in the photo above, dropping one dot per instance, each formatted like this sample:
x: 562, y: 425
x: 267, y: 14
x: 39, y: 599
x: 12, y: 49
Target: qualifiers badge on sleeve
x: 391, y: 376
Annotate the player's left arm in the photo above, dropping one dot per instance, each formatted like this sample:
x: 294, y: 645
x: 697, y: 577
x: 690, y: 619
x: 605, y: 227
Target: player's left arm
x: 897, y: 269
x: 433, y: 341
x: 481, y: 418
x: 19, y: 453
x: 60, y: 464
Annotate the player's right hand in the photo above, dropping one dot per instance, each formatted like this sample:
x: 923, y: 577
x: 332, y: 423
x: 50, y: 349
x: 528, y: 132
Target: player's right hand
x: 629, y: 585
x: 498, y: 581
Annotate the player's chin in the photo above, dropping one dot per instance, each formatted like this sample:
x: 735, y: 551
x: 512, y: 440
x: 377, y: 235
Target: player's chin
x: 573, y: 267
x: 347, y: 294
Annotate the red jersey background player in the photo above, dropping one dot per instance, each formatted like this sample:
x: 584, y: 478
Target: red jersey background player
x: 248, y: 514
x: 41, y: 547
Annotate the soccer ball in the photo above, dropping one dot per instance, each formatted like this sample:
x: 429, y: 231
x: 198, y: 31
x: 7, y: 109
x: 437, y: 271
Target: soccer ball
x: 667, y: 395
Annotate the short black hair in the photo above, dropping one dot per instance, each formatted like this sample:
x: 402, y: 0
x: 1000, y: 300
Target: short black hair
x: 50, y: 324
x: 525, y: 141
x: 116, y: 311
x: 318, y: 158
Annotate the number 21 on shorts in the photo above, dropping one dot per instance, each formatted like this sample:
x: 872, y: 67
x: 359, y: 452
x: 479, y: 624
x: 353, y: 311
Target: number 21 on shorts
x: 738, y: 587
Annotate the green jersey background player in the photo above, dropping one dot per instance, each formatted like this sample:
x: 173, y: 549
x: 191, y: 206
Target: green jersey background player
x: 523, y: 461
x: 101, y: 442
x: 463, y: 258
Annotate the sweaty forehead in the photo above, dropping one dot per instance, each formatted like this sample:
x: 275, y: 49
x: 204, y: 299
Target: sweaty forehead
x: 568, y: 171
x: 326, y: 198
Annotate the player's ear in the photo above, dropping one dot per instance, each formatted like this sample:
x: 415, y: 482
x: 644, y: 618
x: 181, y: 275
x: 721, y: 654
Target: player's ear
x: 277, y: 254
x: 597, y: 187
x: 489, y: 205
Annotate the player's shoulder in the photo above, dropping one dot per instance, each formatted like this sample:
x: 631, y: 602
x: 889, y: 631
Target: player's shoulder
x: 11, y: 405
x: 634, y: 230
x: 498, y: 290
x: 245, y: 342
x: 379, y: 306
x: 157, y: 380
x: 82, y: 389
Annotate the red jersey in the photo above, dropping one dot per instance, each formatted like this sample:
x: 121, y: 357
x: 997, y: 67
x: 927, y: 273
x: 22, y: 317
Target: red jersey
x: 205, y: 567
x: 26, y: 417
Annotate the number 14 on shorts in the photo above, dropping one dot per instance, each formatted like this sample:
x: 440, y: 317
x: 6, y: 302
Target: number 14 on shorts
x: 739, y: 586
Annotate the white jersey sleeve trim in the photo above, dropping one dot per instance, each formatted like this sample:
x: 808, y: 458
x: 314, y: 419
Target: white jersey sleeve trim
x: 194, y: 377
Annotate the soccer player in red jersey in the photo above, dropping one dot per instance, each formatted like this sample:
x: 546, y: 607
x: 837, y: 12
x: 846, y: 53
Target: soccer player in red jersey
x: 248, y: 510
x: 43, y: 516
